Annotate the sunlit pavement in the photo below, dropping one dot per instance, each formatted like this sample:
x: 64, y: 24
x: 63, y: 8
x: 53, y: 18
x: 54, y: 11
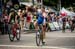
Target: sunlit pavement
x: 54, y: 40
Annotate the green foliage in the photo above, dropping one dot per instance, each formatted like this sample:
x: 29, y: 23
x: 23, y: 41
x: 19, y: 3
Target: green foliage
x: 24, y: 0
x: 46, y: 0
x: 51, y: 1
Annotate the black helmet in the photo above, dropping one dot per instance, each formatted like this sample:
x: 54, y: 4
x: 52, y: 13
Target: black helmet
x: 12, y: 10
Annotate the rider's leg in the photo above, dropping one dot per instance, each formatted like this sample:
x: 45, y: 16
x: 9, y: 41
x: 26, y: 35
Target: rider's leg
x: 73, y: 26
x: 43, y: 32
x: 24, y: 21
x: 21, y: 24
x: 63, y: 26
x: 36, y: 25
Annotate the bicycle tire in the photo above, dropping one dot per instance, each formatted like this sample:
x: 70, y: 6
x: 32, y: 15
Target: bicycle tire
x: 18, y: 31
x: 38, y: 38
x: 11, y: 36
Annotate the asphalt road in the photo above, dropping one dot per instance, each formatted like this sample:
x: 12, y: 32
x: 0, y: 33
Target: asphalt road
x: 54, y: 40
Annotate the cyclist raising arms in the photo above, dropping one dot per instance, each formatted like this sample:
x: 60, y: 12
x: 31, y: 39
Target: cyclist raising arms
x: 41, y: 21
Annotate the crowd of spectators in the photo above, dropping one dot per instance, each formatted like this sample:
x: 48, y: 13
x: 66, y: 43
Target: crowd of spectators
x: 29, y: 15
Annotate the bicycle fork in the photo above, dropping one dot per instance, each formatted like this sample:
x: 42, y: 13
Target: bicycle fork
x: 14, y: 31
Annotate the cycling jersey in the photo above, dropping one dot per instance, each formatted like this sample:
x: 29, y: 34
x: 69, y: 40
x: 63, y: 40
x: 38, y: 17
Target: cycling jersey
x: 18, y: 19
x: 73, y: 21
x: 12, y: 19
x: 40, y: 20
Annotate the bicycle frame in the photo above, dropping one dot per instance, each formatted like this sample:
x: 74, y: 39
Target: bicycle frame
x: 14, y: 27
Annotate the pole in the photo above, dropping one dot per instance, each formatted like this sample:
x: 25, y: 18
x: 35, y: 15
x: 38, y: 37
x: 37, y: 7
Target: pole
x: 33, y: 2
x: 1, y: 8
x: 59, y: 4
x: 41, y: 2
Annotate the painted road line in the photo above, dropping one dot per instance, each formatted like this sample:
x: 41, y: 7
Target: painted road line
x: 52, y: 36
x: 22, y: 46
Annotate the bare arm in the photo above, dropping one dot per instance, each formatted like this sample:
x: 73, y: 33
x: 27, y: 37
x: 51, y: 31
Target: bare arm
x: 16, y: 19
x: 9, y: 17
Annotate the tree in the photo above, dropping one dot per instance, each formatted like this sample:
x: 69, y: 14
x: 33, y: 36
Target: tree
x: 24, y: 0
x: 51, y: 3
x: 39, y: 1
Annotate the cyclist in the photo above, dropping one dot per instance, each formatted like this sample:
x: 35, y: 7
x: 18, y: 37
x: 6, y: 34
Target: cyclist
x: 13, y: 19
x: 41, y: 21
x: 20, y: 14
x: 73, y: 23
x: 64, y: 24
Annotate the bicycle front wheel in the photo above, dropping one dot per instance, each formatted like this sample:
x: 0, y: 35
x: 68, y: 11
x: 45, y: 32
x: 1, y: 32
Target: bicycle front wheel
x: 38, y: 38
x: 18, y: 33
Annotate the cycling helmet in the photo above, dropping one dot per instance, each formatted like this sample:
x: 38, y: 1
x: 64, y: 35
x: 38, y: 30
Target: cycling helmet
x: 12, y: 10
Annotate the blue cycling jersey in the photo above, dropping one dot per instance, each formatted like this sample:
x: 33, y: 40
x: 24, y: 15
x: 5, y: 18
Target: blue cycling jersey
x: 40, y: 19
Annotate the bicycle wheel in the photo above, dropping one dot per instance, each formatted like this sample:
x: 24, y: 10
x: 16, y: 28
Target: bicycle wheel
x: 38, y: 38
x: 18, y: 33
x: 11, y: 36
